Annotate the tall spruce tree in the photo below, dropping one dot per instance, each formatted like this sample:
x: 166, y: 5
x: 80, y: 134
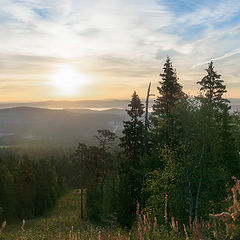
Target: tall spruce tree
x: 212, y: 86
x: 166, y: 130
x: 105, y: 138
x: 80, y: 159
x: 132, y: 143
x: 170, y: 91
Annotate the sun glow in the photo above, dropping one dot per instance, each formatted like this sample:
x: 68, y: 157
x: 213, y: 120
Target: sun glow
x: 67, y: 80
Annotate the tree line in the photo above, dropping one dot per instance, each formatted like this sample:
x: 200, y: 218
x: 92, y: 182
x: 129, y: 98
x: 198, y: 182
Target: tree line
x: 28, y: 186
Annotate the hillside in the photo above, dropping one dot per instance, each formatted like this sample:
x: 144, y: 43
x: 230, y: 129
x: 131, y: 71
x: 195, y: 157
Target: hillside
x: 70, y: 104
x: 28, y: 125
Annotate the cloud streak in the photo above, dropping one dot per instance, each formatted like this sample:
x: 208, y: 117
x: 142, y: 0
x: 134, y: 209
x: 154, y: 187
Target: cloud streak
x: 112, y: 39
x: 226, y: 55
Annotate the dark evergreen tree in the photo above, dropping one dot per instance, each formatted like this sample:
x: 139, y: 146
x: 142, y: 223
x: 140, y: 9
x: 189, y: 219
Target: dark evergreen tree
x: 46, y: 186
x: 166, y: 130
x: 105, y: 138
x: 131, y: 174
x: 93, y: 206
x: 80, y: 159
x: 212, y: 86
x: 170, y: 91
x: 132, y: 141
x: 26, y: 187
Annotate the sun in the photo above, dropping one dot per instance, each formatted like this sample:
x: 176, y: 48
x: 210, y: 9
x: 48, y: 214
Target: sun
x: 67, y: 80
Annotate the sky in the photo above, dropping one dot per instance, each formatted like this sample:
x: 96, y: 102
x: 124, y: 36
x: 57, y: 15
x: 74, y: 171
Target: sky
x: 106, y: 49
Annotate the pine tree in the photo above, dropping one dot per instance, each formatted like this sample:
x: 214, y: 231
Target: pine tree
x: 212, y: 85
x: 80, y: 166
x: 132, y: 143
x: 166, y: 130
x: 170, y: 91
x: 105, y: 138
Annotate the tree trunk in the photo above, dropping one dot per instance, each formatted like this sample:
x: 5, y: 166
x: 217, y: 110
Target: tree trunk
x: 190, y: 202
x: 197, y: 198
x: 81, y: 190
x: 166, y: 212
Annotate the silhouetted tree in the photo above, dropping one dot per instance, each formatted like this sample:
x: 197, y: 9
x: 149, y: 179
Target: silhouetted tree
x: 170, y: 91
x: 80, y: 161
x: 132, y: 144
x: 105, y: 138
x: 212, y: 85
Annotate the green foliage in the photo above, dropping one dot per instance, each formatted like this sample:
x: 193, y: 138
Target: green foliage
x: 8, y: 195
x: 194, y: 152
x: 168, y: 180
x: 94, y: 173
x: 28, y: 187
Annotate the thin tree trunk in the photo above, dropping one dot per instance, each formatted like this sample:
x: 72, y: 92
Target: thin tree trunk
x: 146, y: 120
x: 102, y: 182
x: 102, y: 189
x: 200, y: 182
x: 166, y: 212
x: 197, y: 198
x: 191, y: 201
x: 81, y: 190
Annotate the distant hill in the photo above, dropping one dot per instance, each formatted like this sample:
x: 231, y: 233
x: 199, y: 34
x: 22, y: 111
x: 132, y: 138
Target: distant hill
x: 89, y: 104
x: 70, y: 104
x: 62, y: 122
x: 30, y: 125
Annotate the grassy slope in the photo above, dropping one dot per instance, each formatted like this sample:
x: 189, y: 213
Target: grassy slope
x: 61, y: 223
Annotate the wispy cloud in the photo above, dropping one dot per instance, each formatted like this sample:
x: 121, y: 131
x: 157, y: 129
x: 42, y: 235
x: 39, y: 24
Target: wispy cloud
x: 226, y: 55
x: 212, y: 12
x: 115, y: 39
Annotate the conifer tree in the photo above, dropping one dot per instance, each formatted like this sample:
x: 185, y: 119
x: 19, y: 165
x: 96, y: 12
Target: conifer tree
x: 166, y: 130
x: 212, y: 85
x: 105, y: 138
x: 132, y: 143
x: 170, y: 91
x: 80, y: 168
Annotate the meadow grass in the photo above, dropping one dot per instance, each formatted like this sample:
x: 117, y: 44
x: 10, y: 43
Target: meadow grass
x: 63, y: 222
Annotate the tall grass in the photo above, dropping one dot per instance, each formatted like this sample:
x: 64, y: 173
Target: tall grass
x: 64, y: 224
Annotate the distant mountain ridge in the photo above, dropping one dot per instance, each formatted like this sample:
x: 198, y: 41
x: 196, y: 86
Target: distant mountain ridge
x: 30, y: 125
x: 40, y: 124
x: 89, y: 104
x: 70, y: 104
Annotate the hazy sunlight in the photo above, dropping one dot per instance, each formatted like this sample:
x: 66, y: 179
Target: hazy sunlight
x: 67, y: 80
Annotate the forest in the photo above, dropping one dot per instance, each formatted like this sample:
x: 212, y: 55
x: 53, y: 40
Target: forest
x: 171, y: 174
